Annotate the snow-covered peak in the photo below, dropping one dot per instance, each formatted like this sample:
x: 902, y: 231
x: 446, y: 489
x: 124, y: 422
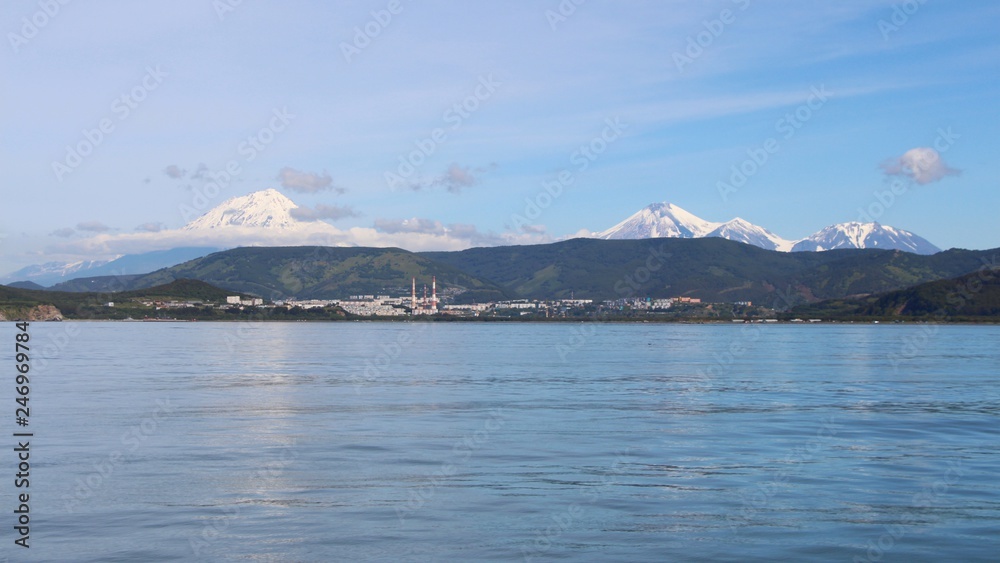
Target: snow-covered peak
x: 666, y: 220
x: 266, y: 209
x: 54, y: 272
x: 865, y: 235
x: 744, y: 231
x: 659, y: 220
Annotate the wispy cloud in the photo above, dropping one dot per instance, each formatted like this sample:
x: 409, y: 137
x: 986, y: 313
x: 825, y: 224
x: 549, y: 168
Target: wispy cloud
x: 465, y: 235
x: 415, y: 234
x: 306, y: 182
x: 414, y: 225
x: 93, y: 227
x: 455, y: 178
x: 321, y: 211
x: 151, y: 227
x: 175, y: 172
x: 201, y: 172
x: 533, y: 229
x: 64, y: 232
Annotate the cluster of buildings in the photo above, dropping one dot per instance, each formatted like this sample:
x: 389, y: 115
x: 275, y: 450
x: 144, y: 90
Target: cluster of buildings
x: 429, y: 304
x: 380, y: 305
x: 237, y: 300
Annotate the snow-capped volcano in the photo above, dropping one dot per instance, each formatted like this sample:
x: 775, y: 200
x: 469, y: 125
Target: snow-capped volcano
x: 266, y: 217
x: 667, y: 220
x: 865, y: 235
x: 658, y: 220
x: 744, y: 231
x: 267, y: 209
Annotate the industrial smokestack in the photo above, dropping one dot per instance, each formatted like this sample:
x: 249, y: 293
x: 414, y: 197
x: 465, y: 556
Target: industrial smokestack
x: 413, y: 296
x: 434, y: 292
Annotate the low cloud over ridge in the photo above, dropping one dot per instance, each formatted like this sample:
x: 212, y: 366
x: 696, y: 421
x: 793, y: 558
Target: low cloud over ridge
x: 331, y: 212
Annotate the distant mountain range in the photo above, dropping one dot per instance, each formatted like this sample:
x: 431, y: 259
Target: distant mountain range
x: 54, y: 273
x: 666, y: 220
x: 266, y: 213
x: 268, y: 218
x: 712, y: 269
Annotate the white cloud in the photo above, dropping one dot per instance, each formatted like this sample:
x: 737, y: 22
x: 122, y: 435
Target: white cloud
x: 65, y: 232
x: 416, y: 234
x: 923, y: 165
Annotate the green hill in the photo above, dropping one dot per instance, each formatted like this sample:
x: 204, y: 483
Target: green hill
x: 107, y: 284
x: 25, y: 285
x: 711, y: 269
x: 972, y: 297
x: 17, y: 303
x: 317, y: 272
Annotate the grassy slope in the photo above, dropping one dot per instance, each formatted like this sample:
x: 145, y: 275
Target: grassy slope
x: 711, y: 269
x: 74, y: 304
x: 323, y: 273
x: 974, y: 296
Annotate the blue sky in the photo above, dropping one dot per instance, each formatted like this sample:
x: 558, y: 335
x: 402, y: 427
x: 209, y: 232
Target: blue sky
x: 690, y: 88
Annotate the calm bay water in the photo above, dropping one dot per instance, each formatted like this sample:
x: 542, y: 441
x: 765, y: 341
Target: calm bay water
x: 498, y: 442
